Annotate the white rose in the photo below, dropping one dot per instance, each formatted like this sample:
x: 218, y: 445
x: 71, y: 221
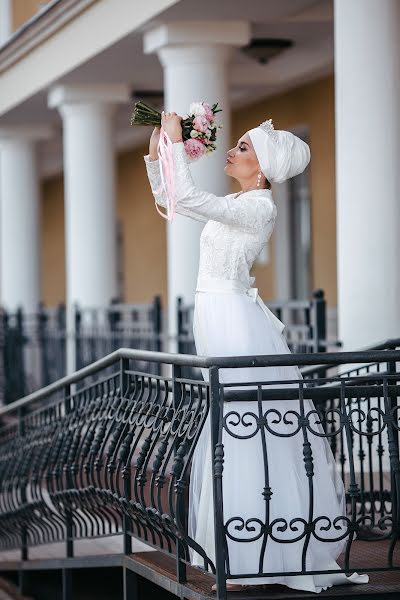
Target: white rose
x: 194, y: 133
x: 197, y: 109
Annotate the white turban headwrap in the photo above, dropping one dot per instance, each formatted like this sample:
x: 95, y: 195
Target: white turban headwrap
x: 280, y: 153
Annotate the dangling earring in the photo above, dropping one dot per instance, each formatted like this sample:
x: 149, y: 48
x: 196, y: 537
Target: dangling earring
x: 258, y: 179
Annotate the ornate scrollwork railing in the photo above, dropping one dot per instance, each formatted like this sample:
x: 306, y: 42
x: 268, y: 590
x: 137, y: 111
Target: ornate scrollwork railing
x: 108, y: 451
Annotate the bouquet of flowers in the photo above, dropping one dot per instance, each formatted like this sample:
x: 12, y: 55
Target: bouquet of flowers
x: 199, y: 129
x: 199, y: 132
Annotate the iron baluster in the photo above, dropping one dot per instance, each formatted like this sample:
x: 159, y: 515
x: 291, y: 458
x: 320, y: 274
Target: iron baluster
x: 392, y: 422
x: 353, y: 489
x: 217, y: 453
x: 126, y: 472
x: 69, y: 482
x: 177, y: 392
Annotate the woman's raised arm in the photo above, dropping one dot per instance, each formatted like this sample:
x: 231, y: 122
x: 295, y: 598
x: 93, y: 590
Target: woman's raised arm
x: 153, y: 173
x: 249, y: 212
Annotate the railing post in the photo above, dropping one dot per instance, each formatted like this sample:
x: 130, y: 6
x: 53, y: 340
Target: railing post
x: 217, y: 453
x: 72, y: 339
x: 181, y: 574
x: 158, y: 327
x: 74, y: 342
x: 318, y: 306
x: 66, y: 584
x: 126, y: 472
x: 393, y: 441
x: 61, y: 325
x: 157, y: 322
x: 69, y: 525
x: 7, y: 382
x: 66, y: 574
x: 22, y: 574
x: 18, y: 368
x: 114, y: 317
x: 24, y: 533
x: 319, y: 320
x: 2, y: 351
x: 42, y: 342
x: 130, y: 584
x: 179, y: 322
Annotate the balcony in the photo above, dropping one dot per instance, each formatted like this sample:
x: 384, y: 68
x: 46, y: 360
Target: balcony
x: 95, y: 471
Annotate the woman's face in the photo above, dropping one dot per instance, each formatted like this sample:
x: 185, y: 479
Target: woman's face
x: 242, y: 162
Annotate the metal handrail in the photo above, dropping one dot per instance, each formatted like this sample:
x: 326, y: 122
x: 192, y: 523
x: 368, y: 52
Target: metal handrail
x: 331, y: 358
x: 387, y: 344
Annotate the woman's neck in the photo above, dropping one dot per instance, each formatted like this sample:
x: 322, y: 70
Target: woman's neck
x: 252, y: 189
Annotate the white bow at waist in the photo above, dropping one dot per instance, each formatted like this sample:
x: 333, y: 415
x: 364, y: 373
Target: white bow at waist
x: 235, y: 285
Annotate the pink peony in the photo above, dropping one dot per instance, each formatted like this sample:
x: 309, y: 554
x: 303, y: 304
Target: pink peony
x: 194, y: 149
x: 209, y: 113
x: 200, y: 124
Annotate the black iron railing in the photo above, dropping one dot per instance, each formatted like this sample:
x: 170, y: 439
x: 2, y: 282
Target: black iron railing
x: 37, y: 349
x: 34, y: 347
x: 305, y: 324
x: 108, y: 451
x: 98, y: 332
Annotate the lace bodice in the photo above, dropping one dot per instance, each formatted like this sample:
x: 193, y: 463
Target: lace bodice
x: 237, y: 226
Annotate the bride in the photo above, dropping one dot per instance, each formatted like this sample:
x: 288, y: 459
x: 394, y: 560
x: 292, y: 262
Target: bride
x: 230, y: 319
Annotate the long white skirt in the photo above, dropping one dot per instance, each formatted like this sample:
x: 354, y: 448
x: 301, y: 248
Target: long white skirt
x: 232, y: 324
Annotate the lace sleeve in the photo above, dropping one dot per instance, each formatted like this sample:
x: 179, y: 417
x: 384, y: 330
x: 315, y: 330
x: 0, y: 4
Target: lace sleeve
x: 153, y: 173
x: 247, y: 212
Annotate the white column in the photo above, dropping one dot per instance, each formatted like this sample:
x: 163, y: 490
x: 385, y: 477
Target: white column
x: 5, y: 20
x: 195, y: 69
x: 19, y: 218
x: 367, y: 95
x: 89, y: 175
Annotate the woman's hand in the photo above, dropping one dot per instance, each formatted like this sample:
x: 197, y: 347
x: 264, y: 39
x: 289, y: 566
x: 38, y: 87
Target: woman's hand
x: 171, y: 123
x: 153, y: 145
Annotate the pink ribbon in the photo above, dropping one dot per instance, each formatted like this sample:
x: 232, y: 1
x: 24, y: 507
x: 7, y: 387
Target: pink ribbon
x: 166, y: 162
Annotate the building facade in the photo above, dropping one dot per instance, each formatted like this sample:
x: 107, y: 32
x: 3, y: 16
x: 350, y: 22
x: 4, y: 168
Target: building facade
x: 78, y: 222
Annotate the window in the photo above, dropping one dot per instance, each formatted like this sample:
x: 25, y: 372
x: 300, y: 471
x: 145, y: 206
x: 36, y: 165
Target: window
x: 293, y: 235
x: 300, y: 236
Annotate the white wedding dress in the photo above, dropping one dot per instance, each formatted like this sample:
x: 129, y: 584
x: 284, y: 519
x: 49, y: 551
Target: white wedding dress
x: 230, y: 319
